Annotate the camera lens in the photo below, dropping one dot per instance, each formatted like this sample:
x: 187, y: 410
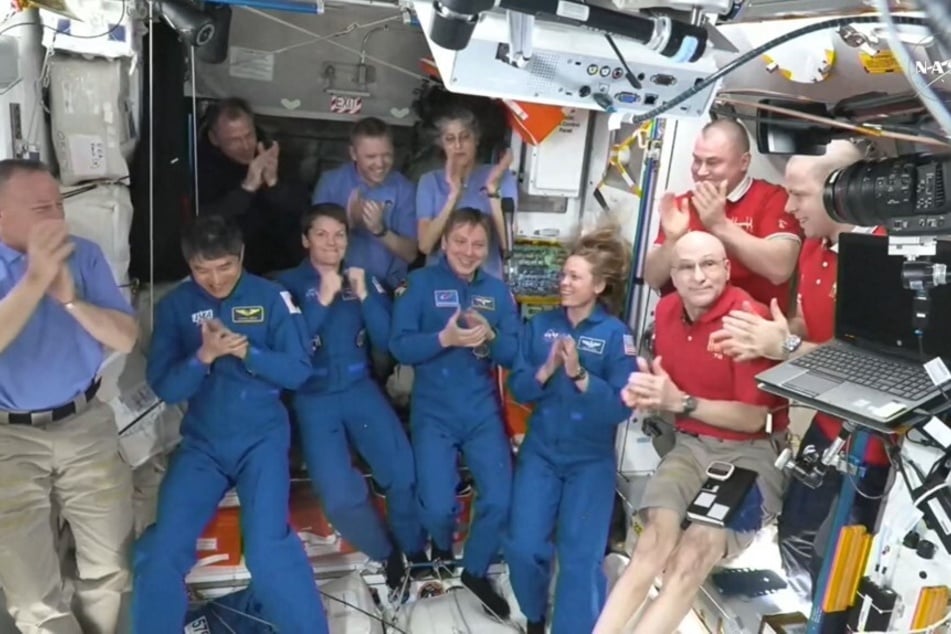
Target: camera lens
x: 870, y: 193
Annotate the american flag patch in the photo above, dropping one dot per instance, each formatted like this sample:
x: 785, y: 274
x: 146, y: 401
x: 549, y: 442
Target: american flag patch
x: 629, y: 348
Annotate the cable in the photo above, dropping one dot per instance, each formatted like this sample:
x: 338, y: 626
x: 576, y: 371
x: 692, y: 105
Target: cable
x: 631, y: 77
x: 925, y: 92
x: 757, y: 52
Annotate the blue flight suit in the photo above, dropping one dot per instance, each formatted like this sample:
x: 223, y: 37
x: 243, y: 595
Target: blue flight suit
x: 235, y: 433
x: 397, y: 194
x: 455, y: 404
x: 433, y: 191
x: 564, y: 481
x: 341, y: 400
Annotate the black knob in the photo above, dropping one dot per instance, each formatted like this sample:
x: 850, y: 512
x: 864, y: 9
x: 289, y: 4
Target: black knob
x: 585, y: 91
x: 911, y: 540
x: 926, y: 549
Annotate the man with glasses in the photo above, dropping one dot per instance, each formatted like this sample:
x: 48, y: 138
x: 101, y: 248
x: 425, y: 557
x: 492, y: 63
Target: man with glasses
x: 720, y: 416
x: 747, y: 215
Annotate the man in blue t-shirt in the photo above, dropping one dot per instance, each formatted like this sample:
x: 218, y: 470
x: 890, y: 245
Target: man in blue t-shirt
x: 380, y: 204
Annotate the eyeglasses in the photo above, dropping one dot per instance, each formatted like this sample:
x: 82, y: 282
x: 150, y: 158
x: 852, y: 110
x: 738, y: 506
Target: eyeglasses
x: 707, y: 267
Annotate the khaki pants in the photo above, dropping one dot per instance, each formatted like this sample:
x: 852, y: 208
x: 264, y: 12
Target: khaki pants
x: 683, y: 470
x: 75, y: 462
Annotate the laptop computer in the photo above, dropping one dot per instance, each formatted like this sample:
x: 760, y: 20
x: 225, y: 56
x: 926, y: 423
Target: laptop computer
x: 874, y: 368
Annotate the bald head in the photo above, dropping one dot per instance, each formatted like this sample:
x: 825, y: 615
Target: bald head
x: 732, y: 130
x: 696, y: 245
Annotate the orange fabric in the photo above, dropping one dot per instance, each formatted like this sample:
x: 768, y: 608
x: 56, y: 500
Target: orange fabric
x: 222, y: 536
x: 533, y: 122
x: 514, y: 414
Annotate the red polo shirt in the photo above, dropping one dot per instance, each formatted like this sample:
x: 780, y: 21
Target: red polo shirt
x: 761, y: 211
x: 701, y: 373
x: 818, y: 268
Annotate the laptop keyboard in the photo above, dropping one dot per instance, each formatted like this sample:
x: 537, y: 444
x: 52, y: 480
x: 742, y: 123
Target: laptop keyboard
x: 905, y: 380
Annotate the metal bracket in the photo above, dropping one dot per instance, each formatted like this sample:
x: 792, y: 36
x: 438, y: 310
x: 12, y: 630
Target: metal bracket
x: 520, y: 38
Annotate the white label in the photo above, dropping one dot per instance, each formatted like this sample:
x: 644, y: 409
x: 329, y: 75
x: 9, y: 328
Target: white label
x: 719, y: 511
x: 938, y: 431
x: 289, y: 302
x: 572, y: 11
x: 943, y: 520
x: 207, y: 543
x: 705, y: 500
x: 87, y: 154
x: 247, y: 63
x: 938, y: 371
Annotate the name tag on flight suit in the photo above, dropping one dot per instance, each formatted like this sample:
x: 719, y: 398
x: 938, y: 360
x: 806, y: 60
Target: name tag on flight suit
x: 483, y: 303
x: 247, y: 314
x: 587, y: 344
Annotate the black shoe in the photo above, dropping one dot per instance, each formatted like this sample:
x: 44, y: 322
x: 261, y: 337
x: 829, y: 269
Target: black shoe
x: 419, y: 565
x: 395, y: 569
x: 494, y: 602
x: 536, y: 627
x: 444, y: 561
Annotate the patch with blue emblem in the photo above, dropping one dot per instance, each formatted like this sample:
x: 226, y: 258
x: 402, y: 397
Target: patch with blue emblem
x: 588, y: 344
x: 447, y: 298
x: 247, y: 314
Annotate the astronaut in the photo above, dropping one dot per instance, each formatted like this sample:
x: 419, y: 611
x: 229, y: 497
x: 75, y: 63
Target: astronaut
x: 227, y: 342
x: 341, y: 402
x: 452, y: 322
x: 572, y: 366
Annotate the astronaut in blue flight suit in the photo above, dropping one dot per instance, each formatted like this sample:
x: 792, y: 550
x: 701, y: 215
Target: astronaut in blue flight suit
x: 573, y: 363
x: 227, y: 342
x: 452, y: 322
x: 341, y: 402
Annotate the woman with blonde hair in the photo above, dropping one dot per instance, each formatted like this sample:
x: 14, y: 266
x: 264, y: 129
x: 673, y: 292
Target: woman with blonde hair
x: 573, y: 363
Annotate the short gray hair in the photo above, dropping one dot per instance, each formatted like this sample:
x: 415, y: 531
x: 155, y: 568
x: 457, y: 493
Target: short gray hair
x: 463, y: 116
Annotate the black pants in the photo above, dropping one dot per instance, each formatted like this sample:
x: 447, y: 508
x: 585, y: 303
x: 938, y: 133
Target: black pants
x: 807, y: 516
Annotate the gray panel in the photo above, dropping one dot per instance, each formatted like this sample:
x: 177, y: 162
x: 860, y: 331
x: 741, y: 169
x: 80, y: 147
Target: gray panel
x: 9, y: 61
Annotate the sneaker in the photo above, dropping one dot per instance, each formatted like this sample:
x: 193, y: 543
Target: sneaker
x: 494, y: 602
x: 395, y: 569
x: 536, y: 627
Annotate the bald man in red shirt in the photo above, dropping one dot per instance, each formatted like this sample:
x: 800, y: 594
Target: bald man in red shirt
x: 747, y: 215
x: 804, y: 523
x: 720, y: 416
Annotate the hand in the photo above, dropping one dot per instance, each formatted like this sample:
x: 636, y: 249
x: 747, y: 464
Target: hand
x: 255, y: 175
x: 650, y: 388
x: 746, y: 336
x: 454, y: 335
x: 569, y: 356
x: 355, y: 207
x: 48, y: 249
x: 674, y: 217
x: 217, y: 341
x: 494, y: 179
x: 454, y: 177
x: 63, y: 287
x: 330, y: 284
x: 358, y: 282
x: 710, y: 202
x: 271, y: 164
x: 474, y: 319
x: 371, y: 215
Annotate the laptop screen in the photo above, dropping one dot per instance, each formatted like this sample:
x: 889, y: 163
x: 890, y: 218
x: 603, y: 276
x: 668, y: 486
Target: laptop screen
x: 872, y: 306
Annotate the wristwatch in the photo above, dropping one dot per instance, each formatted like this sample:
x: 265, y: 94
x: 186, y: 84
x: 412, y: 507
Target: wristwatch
x: 582, y: 373
x: 381, y: 233
x: 791, y: 344
x: 492, y: 194
x: 689, y: 405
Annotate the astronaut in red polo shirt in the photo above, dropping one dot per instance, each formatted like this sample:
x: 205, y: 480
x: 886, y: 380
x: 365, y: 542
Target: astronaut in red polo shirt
x: 746, y: 214
x: 720, y: 416
x: 806, y: 515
